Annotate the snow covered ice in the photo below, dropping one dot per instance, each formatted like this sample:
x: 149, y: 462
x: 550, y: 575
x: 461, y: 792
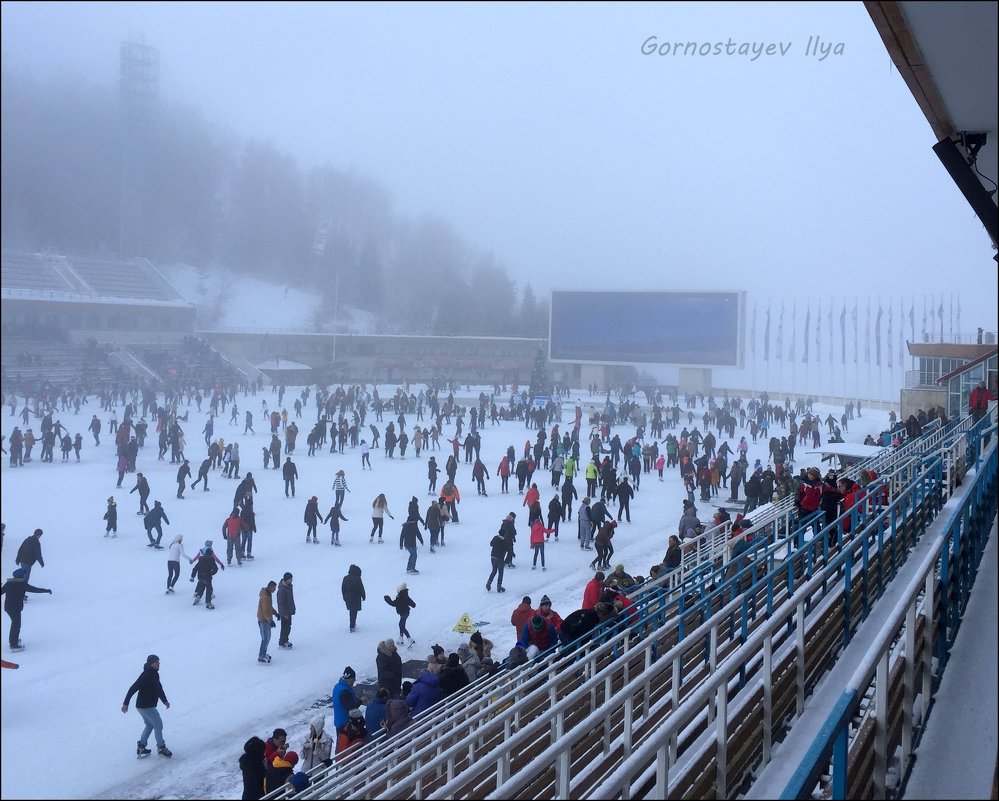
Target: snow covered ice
x: 87, y: 642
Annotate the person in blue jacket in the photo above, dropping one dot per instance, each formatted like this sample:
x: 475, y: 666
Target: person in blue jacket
x: 344, y: 698
x: 425, y: 693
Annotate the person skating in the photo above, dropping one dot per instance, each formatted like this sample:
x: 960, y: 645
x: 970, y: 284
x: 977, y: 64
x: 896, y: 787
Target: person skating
x: 202, y: 478
x: 340, y: 488
x: 508, y: 530
x: 207, y: 564
x: 286, y: 609
x: 538, y: 537
x: 584, y: 524
x: 407, y: 539
x: 290, y: 472
x: 379, y: 508
x: 174, y: 552
x: 265, y: 620
x: 451, y: 496
x: 602, y: 543
x: 432, y: 472
x: 246, y: 487
x: 183, y: 473
x: 312, y: 518
x: 14, y: 590
x: 142, y: 487
x: 154, y: 520
x: 402, y: 604
x: 333, y: 518
x: 435, y: 519
x: 111, y: 516
x: 498, y: 550
x: 233, y: 528
x: 352, y: 589
x: 150, y: 692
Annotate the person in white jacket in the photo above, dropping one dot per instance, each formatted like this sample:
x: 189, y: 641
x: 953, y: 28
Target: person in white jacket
x: 318, y: 746
x: 175, y: 551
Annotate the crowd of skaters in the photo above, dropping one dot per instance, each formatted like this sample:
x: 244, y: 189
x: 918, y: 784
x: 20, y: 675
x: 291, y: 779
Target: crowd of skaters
x: 341, y: 416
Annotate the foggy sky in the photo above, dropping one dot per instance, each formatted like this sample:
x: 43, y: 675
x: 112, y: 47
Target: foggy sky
x: 546, y: 137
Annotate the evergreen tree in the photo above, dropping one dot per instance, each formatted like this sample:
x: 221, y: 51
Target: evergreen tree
x: 540, y: 382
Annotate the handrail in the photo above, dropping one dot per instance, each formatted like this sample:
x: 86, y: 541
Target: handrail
x: 874, y: 668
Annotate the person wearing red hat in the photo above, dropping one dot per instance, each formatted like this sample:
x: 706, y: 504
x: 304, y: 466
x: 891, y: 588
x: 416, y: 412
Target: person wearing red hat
x: 279, y: 769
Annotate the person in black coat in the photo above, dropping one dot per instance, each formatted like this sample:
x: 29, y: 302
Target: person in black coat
x: 202, y: 478
x: 672, y: 559
x: 402, y: 604
x: 206, y: 568
x: 150, y: 692
x: 154, y: 520
x: 111, y: 516
x: 569, y: 494
x: 312, y: 518
x: 578, y: 624
x: 251, y: 764
x: 389, y: 665
x: 353, y: 593
x: 453, y: 676
x: 143, y: 488
x: 407, y: 539
x: 246, y: 486
x: 30, y: 552
x: 290, y: 472
x: 14, y: 590
x: 183, y: 473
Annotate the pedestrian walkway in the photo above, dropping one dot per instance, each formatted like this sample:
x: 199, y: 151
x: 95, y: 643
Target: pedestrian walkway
x: 956, y: 757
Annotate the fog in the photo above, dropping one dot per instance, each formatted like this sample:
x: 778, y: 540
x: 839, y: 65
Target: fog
x: 563, y: 143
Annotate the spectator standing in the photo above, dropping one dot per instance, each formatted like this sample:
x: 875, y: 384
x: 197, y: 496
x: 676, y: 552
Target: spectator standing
x: 265, y: 620
x: 352, y: 589
x: 286, y: 609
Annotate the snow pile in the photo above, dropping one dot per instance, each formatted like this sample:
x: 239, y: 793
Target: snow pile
x: 232, y: 301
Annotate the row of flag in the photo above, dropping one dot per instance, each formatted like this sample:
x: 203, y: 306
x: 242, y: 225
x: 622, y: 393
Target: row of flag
x: 889, y: 317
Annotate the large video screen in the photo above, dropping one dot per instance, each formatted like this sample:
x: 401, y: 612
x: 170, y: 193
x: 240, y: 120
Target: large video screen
x: 685, y: 328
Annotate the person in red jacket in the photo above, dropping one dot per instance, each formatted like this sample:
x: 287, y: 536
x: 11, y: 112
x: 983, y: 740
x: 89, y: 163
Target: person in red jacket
x: 852, y: 494
x: 538, y: 532
x: 593, y: 590
x: 522, y: 615
x: 978, y: 401
x: 232, y: 533
x: 537, y: 636
x: 548, y: 614
x: 533, y: 494
x: 275, y: 744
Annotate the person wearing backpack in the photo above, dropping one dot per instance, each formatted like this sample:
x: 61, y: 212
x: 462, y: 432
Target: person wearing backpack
x: 809, y: 494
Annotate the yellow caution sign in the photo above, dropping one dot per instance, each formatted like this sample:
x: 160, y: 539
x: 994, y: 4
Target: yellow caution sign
x: 464, y: 624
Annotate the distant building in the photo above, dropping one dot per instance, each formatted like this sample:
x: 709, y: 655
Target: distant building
x: 929, y: 384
